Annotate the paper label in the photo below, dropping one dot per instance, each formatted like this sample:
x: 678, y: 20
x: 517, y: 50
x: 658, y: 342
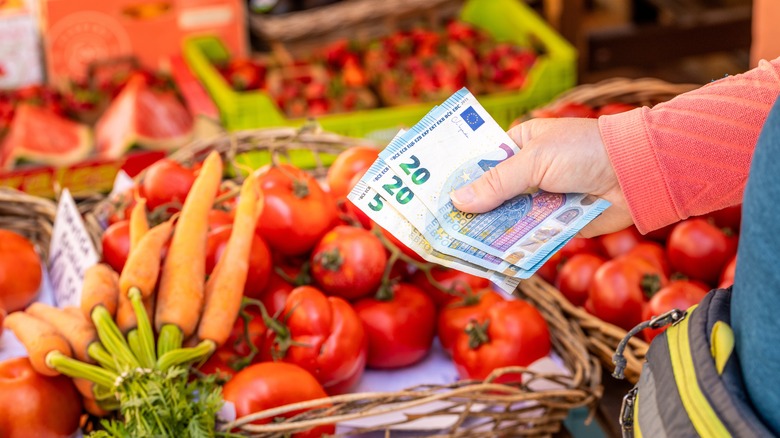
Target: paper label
x: 70, y: 254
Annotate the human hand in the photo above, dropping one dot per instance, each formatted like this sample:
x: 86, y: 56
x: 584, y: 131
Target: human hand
x: 558, y: 156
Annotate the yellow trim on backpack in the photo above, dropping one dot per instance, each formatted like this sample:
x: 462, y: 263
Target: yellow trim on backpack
x: 721, y: 344
x: 637, y: 431
x: 701, y: 414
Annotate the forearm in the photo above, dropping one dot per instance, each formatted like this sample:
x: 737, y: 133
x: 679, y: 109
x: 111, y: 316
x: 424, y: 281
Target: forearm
x: 691, y: 155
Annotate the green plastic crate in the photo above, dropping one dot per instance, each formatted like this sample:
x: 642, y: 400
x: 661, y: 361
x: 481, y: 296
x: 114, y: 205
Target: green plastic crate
x: 505, y: 20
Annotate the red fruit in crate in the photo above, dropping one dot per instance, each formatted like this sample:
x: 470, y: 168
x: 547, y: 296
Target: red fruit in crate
x: 32, y: 405
x: 620, y: 242
x: 116, y: 244
x: 509, y: 333
x: 459, y: 312
x: 460, y: 31
x: 727, y: 276
x: 353, y: 161
x: 729, y: 217
x: 245, y: 74
x: 297, y: 211
x: 580, y: 245
x: 549, y: 270
x: 619, y: 288
x: 699, y: 250
x: 455, y: 283
x: 575, y: 276
x: 259, y: 259
x: 614, y: 108
x: 20, y: 272
x: 400, y: 329
x: 141, y: 115
x: 268, y: 385
x: 324, y: 336
x: 353, y: 73
x: 574, y: 109
x: 39, y: 135
x: 348, y: 262
x: 166, y: 182
x: 679, y: 295
x: 653, y: 253
x: 275, y: 294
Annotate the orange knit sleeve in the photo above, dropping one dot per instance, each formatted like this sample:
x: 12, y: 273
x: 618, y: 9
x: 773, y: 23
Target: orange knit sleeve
x: 691, y: 155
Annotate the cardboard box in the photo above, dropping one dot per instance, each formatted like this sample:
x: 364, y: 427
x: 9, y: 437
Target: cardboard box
x: 78, y: 32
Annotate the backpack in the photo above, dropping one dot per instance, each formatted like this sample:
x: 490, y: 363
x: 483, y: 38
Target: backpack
x: 691, y: 383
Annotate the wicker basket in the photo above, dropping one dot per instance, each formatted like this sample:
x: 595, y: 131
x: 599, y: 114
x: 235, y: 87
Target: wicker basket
x: 514, y: 410
x: 300, y: 32
x: 602, y: 337
x: 33, y: 218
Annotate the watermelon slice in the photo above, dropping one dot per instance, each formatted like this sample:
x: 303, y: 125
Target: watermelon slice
x: 143, y: 116
x: 39, y: 135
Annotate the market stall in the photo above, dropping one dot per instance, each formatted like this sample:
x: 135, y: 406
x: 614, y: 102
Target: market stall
x: 203, y: 236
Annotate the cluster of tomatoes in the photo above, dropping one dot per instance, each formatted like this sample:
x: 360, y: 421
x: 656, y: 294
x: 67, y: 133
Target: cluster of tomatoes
x: 625, y: 278
x: 332, y: 297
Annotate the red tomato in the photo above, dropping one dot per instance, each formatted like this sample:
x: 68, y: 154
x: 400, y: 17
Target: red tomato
x: 20, y: 271
x: 355, y: 160
x: 511, y: 333
x: 295, y: 270
x: 348, y: 262
x: 680, y: 295
x: 549, y: 270
x: 661, y: 234
x: 652, y: 253
x: 574, y: 109
x: 219, y: 218
x: 259, y: 259
x: 580, y: 245
x: 458, y: 283
x: 33, y: 405
x: 575, y: 277
x: 700, y: 250
x: 219, y: 363
x: 324, y: 336
x: 166, y: 181
x: 275, y: 294
x: 727, y: 276
x: 356, y: 213
x: 457, y: 314
x: 297, y: 211
x: 272, y: 384
x: 254, y: 332
x: 729, y: 217
x: 620, y: 242
x: 615, y: 108
x: 401, y: 329
x: 619, y: 287
x: 116, y: 244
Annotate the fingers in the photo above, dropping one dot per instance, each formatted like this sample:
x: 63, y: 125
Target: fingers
x: 507, y: 180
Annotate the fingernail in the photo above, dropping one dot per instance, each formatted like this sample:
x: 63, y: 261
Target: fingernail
x: 463, y: 195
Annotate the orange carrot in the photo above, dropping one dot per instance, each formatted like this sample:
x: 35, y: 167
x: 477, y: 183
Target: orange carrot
x: 180, y: 296
x: 125, y: 316
x: 138, y: 222
x: 84, y: 387
x: 94, y: 407
x: 39, y: 338
x: 79, y: 332
x: 100, y: 287
x: 225, y: 287
x: 143, y: 264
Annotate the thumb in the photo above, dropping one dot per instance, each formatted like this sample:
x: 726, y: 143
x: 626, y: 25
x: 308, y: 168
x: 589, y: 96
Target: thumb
x: 507, y: 180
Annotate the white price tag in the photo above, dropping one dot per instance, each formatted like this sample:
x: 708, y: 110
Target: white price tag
x: 70, y: 254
